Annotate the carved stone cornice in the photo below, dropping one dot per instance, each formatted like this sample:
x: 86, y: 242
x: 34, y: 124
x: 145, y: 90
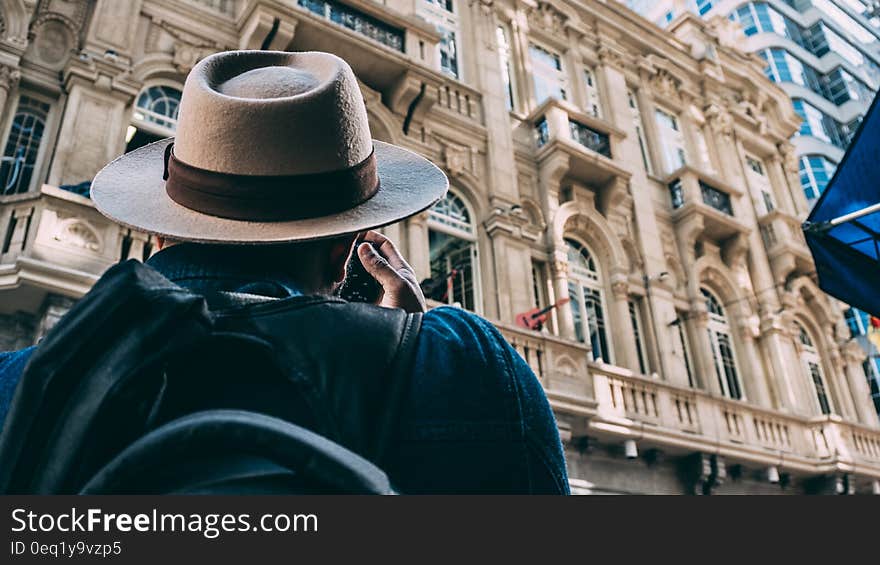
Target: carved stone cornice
x: 9, y: 77
x: 613, y: 56
x: 666, y: 85
x: 105, y: 73
x: 749, y: 327
x: 187, y: 55
x: 853, y: 352
x: 789, y: 157
x: 548, y: 17
x: 719, y: 119
x: 620, y: 288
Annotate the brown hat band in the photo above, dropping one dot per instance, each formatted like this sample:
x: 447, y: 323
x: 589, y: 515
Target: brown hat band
x: 269, y: 198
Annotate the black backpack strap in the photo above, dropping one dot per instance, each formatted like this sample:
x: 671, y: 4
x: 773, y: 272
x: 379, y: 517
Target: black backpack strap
x: 236, y: 452
x: 81, y: 397
x: 104, y: 375
x: 352, y: 363
x: 400, y: 378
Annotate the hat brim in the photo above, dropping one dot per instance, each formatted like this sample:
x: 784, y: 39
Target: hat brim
x: 130, y: 190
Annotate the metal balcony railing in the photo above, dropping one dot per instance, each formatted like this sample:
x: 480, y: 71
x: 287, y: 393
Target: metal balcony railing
x: 676, y: 194
x: 357, y: 21
x: 716, y: 198
x: 590, y: 138
x: 581, y: 134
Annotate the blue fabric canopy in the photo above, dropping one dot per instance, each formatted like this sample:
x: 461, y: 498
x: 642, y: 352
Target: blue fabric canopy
x: 847, y: 253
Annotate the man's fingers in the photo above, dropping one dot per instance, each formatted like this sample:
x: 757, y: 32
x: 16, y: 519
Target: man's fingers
x: 387, y: 249
x: 378, y: 267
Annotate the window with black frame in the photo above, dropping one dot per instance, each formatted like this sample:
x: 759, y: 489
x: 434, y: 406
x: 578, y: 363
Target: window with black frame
x: 587, y: 304
x: 721, y: 342
x: 813, y: 367
x: 23, y: 145
x: 154, y: 116
x: 452, y: 246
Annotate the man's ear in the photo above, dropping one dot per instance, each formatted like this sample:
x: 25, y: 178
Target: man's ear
x: 340, y: 252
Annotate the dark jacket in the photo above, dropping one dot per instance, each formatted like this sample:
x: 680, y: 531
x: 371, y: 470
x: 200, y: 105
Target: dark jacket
x: 476, y: 419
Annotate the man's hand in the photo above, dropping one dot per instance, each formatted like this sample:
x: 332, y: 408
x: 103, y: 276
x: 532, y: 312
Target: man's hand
x: 382, y: 260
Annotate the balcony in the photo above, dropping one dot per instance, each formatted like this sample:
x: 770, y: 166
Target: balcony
x: 372, y: 28
x: 613, y: 404
x: 398, y: 59
x: 561, y: 366
x: 575, y: 145
x: 786, y: 247
x: 703, y: 207
x: 55, y: 241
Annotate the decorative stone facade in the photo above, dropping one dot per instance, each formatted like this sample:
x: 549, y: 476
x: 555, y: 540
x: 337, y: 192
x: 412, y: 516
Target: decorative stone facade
x: 651, y: 184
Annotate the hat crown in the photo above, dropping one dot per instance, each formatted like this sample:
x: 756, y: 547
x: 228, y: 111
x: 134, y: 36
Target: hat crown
x: 272, y: 113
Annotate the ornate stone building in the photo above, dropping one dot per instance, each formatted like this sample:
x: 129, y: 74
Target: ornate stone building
x: 645, y: 176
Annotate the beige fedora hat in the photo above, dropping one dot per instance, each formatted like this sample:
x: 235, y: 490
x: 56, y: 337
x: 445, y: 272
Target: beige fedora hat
x: 271, y: 147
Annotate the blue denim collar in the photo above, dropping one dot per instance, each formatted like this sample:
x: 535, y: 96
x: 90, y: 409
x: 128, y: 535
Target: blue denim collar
x: 229, y: 268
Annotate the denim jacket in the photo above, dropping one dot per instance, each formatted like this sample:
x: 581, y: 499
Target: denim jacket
x: 476, y: 419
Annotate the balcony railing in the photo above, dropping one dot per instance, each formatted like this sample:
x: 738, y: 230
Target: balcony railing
x: 590, y: 138
x: 561, y: 366
x: 222, y: 6
x: 575, y: 145
x: 542, y: 133
x: 55, y: 239
x: 357, y: 21
x: 702, y: 202
x: 579, y: 133
x: 716, y: 198
x: 620, y: 404
x: 711, y: 196
x: 785, y: 243
x: 676, y: 194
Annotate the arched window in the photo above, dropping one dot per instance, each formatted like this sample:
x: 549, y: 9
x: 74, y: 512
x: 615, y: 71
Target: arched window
x: 23, y: 145
x: 587, y: 306
x: 813, y: 368
x: 723, y: 354
x: 453, y: 254
x: 155, y: 116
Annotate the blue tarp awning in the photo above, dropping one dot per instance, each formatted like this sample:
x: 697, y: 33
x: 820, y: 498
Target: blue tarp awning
x: 843, y: 230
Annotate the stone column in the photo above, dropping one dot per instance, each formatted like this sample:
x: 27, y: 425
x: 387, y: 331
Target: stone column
x: 853, y: 356
x: 836, y: 379
x: 689, y: 129
x: 790, y: 167
x: 417, y: 245
x: 779, y: 183
x: 138, y: 245
x: 501, y: 168
x: 511, y: 264
x: 559, y: 273
x: 751, y: 370
x: 9, y: 77
x: 100, y: 92
x: 574, y: 68
x: 701, y: 354
x: 775, y: 340
x: 92, y: 132
x: 519, y: 46
x: 649, y: 121
x: 620, y: 326
x: 648, y: 236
